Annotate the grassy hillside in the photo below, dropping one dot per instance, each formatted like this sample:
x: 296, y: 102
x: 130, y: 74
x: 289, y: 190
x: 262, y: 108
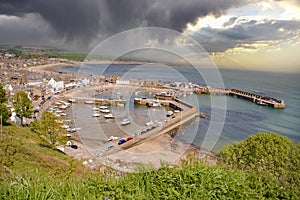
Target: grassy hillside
x: 32, y: 171
x: 22, y: 154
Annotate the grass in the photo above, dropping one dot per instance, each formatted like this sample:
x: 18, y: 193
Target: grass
x: 32, y: 171
x: 22, y: 154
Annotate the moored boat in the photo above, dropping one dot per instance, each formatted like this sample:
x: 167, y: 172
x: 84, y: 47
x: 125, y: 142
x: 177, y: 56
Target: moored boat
x: 89, y: 102
x: 125, y: 122
x: 261, y: 103
x: 109, y: 116
x: 96, y: 115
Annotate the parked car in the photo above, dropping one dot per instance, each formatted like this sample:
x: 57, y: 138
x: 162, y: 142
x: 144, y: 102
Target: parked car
x: 122, y: 141
x: 129, y: 138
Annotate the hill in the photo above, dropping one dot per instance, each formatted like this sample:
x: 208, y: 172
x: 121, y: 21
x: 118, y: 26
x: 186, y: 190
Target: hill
x: 30, y: 170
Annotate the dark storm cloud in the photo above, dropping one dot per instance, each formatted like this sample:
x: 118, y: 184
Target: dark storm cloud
x: 246, y: 32
x: 83, y: 20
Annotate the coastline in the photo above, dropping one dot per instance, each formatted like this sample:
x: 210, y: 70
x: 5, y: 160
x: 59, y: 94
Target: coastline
x: 165, y: 142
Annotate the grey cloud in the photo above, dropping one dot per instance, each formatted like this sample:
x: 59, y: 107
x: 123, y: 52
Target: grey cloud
x: 82, y: 21
x: 220, y: 40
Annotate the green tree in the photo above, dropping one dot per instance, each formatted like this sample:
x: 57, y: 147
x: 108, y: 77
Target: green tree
x: 4, y: 114
x: 3, y: 97
x: 48, y: 128
x: 261, y: 152
x: 22, y: 104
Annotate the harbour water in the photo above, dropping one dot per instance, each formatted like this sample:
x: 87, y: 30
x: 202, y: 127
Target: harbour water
x: 242, y: 117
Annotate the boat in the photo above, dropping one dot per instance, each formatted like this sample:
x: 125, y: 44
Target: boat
x: 65, y: 126
x: 112, y: 138
x: 109, y: 116
x: 125, y: 122
x: 71, y: 130
x: 154, y: 104
x: 149, y: 123
x: 96, y: 115
x: 95, y: 109
x: 261, y: 103
x: 169, y: 113
x: 103, y: 107
x: 89, y: 102
x: 104, y: 110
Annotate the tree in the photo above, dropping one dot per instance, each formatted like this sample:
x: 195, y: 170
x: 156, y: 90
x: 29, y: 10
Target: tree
x: 270, y: 153
x: 48, y: 128
x: 22, y: 104
x: 4, y: 114
x: 3, y: 97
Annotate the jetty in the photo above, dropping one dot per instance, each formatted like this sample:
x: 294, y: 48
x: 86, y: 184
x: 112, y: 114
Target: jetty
x: 255, y: 98
x: 98, y: 101
x: 187, y: 113
x: 258, y: 99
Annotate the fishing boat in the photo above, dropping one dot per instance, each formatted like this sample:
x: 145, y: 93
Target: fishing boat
x: 96, y: 115
x: 169, y: 113
x: 109, y: 116
x: 95, y: 109
x: 65, y: 126
x: 149, y: 123
x: 125, y: 122
x: 89, y: 102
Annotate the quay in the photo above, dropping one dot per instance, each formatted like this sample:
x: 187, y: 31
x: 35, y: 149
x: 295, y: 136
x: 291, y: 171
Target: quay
x: 258, y: 99
x: 99, y: 101
x: 187, y: 113
x: 255, y: 98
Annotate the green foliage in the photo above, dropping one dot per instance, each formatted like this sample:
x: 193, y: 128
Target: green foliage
x: 4, y: 114
x: 73, y: 56
x: 3, y: 97
x: 22, y: 104
x: 271, y: 153
x: 31, y: 171
x: 192, y: 181
x: 22, y: 155
x: 48, y: 128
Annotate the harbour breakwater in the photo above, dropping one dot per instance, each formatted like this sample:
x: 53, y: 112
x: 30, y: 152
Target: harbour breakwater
x: 255, y: 98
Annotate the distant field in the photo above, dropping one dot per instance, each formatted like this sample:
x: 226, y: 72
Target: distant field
x: 73, y: 56
x: 79, y: 56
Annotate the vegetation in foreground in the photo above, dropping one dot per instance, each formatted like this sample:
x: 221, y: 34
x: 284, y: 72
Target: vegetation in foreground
x: 31, y: 170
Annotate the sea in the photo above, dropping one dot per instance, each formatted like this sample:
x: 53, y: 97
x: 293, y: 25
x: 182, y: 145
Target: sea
x: 242, y: 117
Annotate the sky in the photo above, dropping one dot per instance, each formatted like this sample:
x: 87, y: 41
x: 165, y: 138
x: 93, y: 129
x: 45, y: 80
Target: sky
x: 241, y: 34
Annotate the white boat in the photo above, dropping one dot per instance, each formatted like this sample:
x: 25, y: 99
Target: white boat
x: 125, y: 122
x: 96, y: 115
x: 109, y: 116
x: 95, y: 109
x: 112, y: 138
x: 169, y: 113
x: 149, y: 123
x: 103, y: 107
x: 261, y: 103
x: 104, y: 110
x: 65, y: 126
x: 89, y: 102
x: 156, y: 104
x: 121, y: 104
